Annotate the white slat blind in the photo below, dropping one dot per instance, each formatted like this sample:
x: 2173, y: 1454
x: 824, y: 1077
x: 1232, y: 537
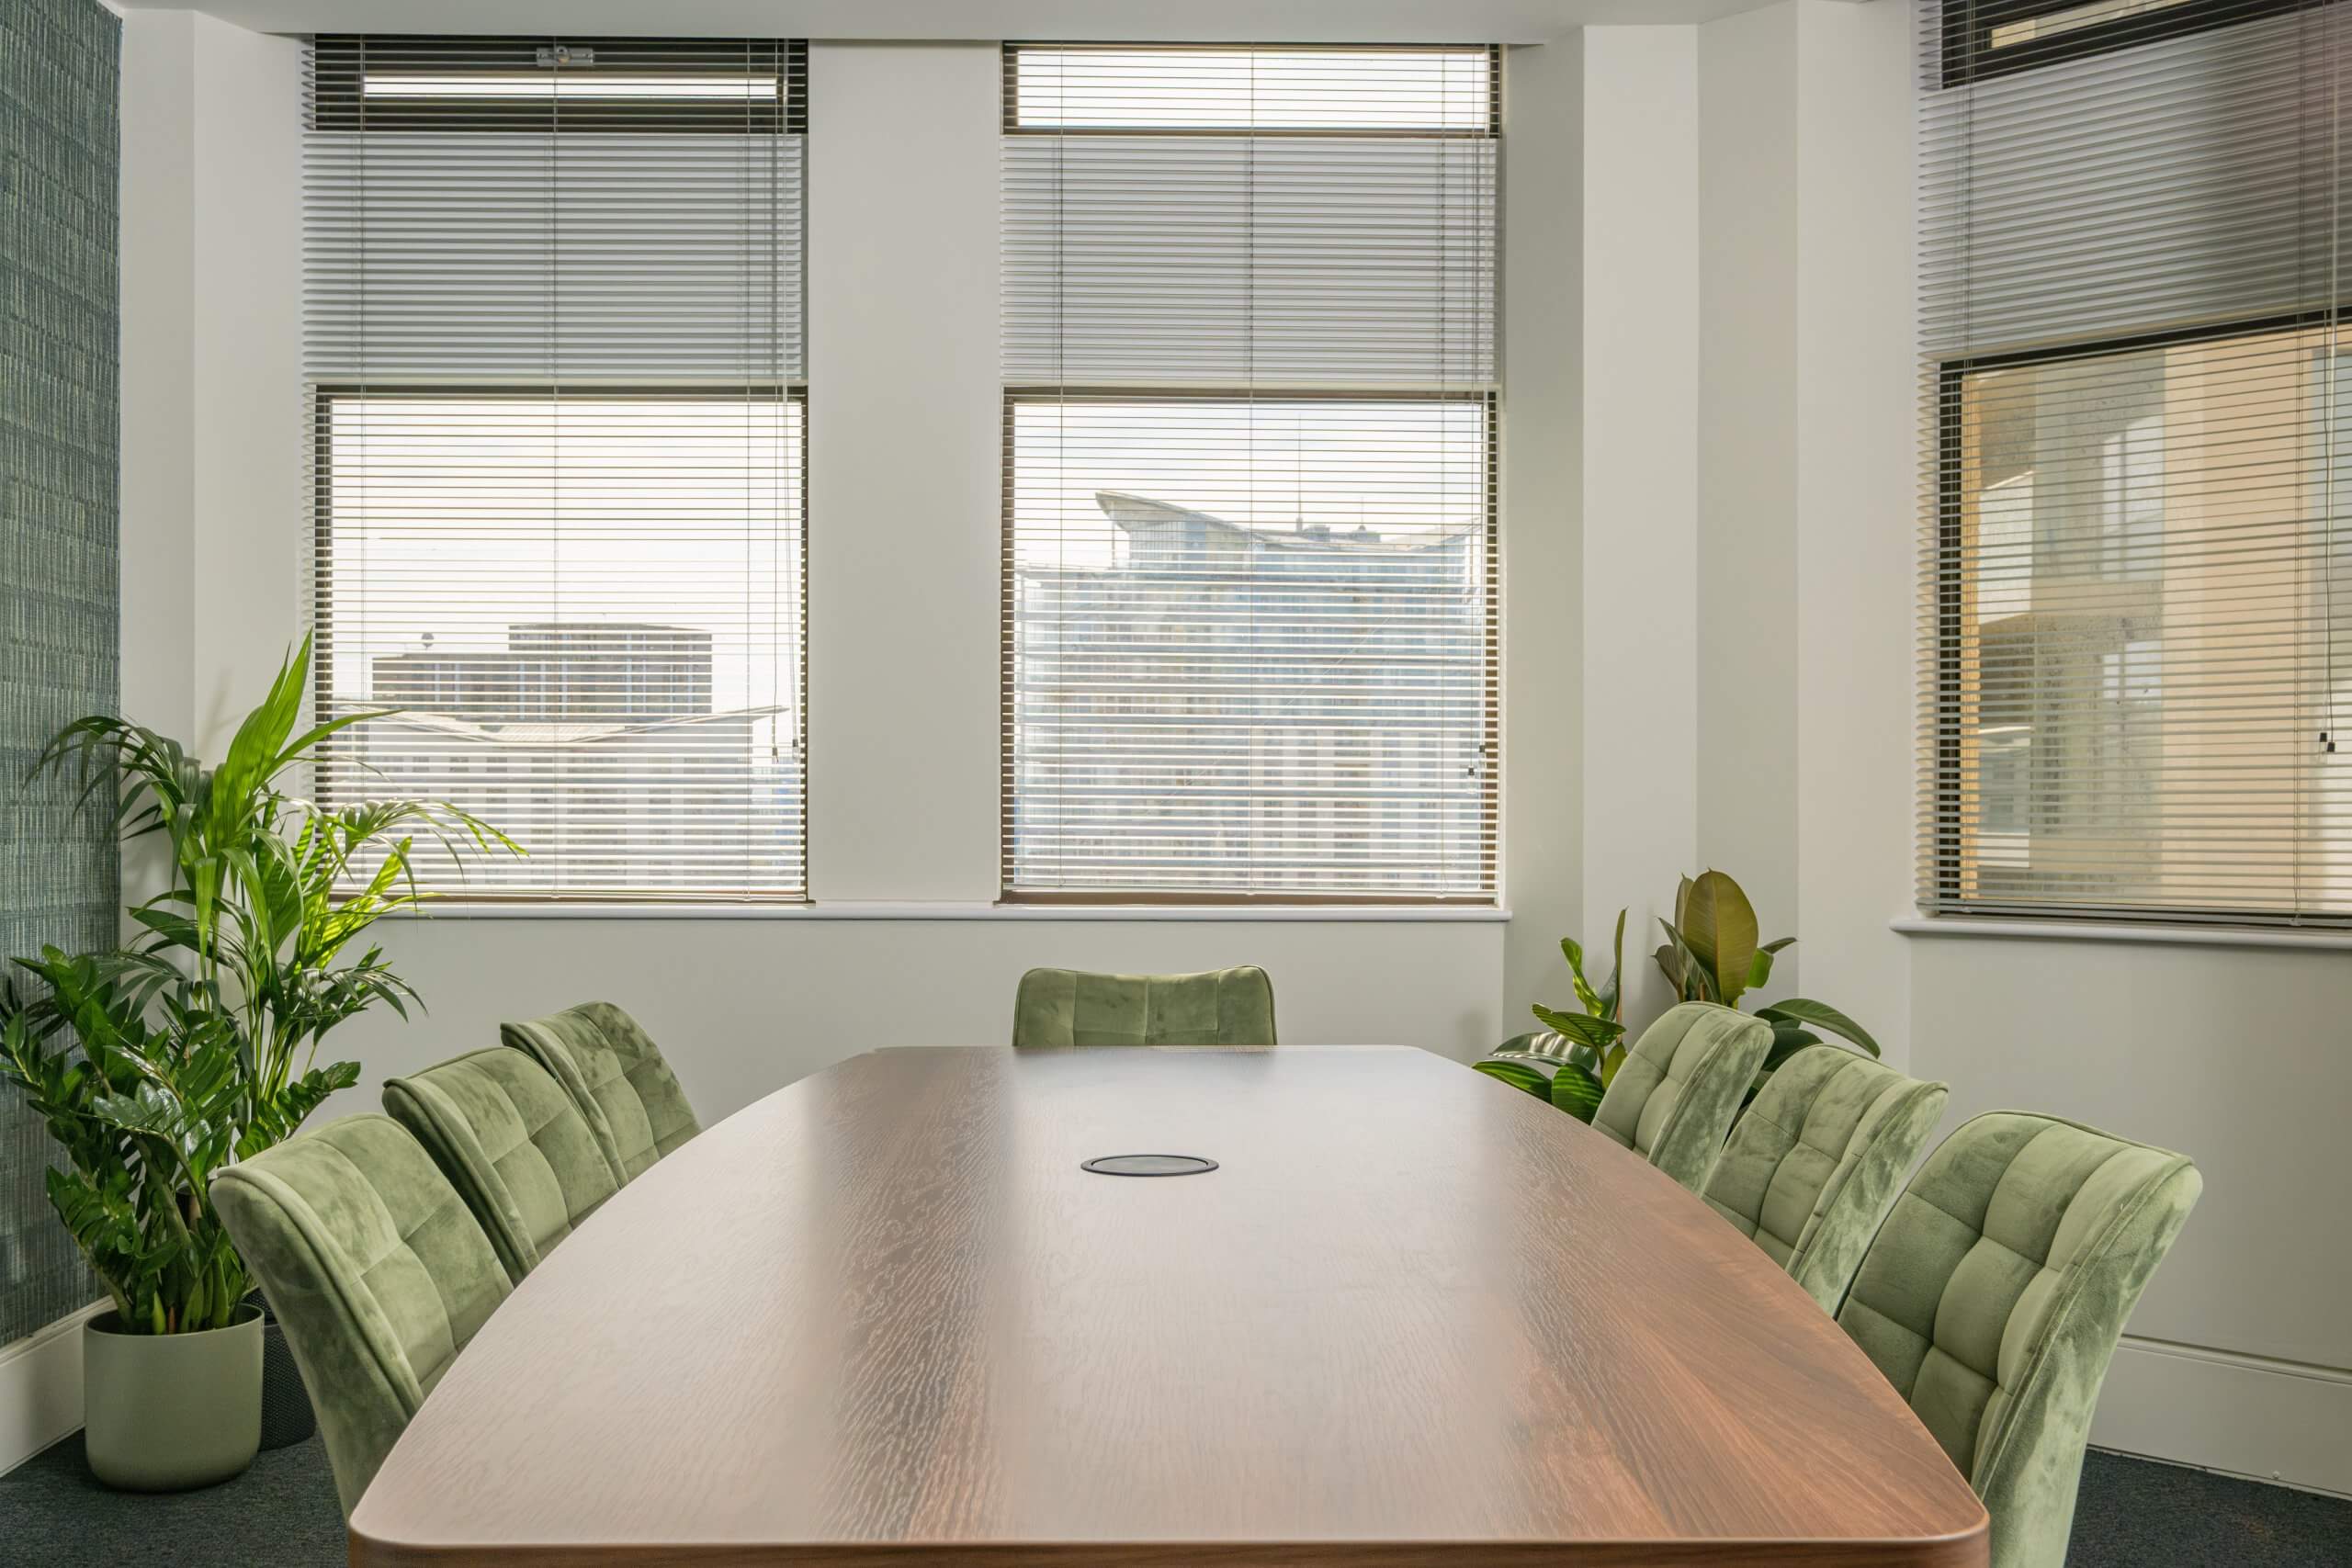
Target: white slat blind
x: 2137, y: 591
x: 1249, y: 578
x: 553, y: 343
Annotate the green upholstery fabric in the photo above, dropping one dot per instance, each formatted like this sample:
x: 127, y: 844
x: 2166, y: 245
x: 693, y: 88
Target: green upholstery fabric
x: 375, y: 1269
x: 617, y: 1076
x: 1217, y: 1007
x: 1673, y: 1095
x: 1995, y: 1293
x: 1814, y: 1165
x: 512, y: 1144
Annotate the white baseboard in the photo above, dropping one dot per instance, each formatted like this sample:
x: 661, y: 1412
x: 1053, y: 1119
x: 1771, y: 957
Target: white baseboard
x: 40, y: 1387
x: 2248, y: 1416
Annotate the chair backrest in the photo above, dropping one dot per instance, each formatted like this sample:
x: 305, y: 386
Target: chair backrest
x: 376, y: 1270
x: 512, y: 1144
x: 1993, y: 1297
x: 617, y: 1076
x: 1216, y: 1007
x: 1672, y: 1098
x: 1815, y: 1163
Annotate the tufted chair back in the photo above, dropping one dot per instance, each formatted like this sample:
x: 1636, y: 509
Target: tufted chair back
x: 376, y: 1270
x: 1217, y: 1007
x: 1994, y: 1296
x: 1815, y: 1163
x: 617, y: 1078
x: 1674, y: 1094
x: 513, y: 1146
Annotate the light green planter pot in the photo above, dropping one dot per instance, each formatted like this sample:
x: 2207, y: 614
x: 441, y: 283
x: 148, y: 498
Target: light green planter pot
x: 166, y: 1411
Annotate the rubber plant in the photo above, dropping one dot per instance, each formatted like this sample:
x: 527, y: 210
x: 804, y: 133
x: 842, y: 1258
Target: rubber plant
x: 1571, y: 1060
x: 196, y: 1043
x: 1712, y: 954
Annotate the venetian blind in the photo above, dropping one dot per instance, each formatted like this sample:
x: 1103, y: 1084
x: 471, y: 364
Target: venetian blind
x: 1249, y: 577
x: 2137, y: 591
x: 553, y: 345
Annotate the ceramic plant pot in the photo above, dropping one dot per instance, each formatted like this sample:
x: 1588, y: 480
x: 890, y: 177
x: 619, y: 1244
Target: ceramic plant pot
x: 166, y: 1411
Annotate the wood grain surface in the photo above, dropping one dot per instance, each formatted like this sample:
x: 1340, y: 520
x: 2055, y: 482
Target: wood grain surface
x: 1415, y: 1316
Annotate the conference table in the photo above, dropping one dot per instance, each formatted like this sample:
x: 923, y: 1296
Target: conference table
x: 885, y: 1316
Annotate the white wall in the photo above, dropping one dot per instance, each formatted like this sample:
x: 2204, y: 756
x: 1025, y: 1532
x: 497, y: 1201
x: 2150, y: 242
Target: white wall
x: 1746, y: 455
x: 1640, y: 492
x: 2238, y: 1356
x: 904, y: 550
x: 1856, y: 513
x: 1542, y: 454
x: 158, y: 368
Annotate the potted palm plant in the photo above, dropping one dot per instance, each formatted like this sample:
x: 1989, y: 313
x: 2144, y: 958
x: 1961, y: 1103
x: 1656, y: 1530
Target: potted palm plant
x: 197, y: 1044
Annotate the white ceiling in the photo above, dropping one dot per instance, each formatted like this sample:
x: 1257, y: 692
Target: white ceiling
x: 1296, y: 21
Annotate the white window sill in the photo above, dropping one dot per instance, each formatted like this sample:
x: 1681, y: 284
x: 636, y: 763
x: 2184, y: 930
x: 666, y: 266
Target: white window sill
x: 845, y: 909
x: 2122, y: 931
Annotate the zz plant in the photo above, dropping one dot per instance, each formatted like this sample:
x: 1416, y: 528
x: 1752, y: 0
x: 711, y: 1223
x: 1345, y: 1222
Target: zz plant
x: 196, y: 1044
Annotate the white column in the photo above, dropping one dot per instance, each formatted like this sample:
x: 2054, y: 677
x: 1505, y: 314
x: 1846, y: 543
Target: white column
x: 1640, y: 489
x: 1857, y: 511
x: 1542, y: 439
x: 1748, y: 582
x: 158, y: 634
x: 905, y: 435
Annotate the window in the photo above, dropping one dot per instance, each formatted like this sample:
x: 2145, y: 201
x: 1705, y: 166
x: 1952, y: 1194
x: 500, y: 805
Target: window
x: 556, y: 440
x: 2139, y: 560
x: 1249, y: 578
x: 1991, y: 38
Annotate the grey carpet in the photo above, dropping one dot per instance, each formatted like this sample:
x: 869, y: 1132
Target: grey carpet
x: 2132, y: 1512
x: 282, y: 1512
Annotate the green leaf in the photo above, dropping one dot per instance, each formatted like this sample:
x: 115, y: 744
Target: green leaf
x: 1722, y: 932
x: 1519, y: 1075
x: 1612, y: 991
x: 1697, y: 985
x: 1760, y: 971
x: 1580, y: 1026
x: 1788, y: 1039
x: 1803, y: 1010
x: 1586, y: 997
x: 1577, y: 1092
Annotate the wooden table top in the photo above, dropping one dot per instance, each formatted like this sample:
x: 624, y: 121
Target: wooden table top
x: 1415, y: 1316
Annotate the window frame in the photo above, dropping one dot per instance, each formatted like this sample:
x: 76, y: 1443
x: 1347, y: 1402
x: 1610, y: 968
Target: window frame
x: 324, y: 396
x: 1967, y: 54
x: 1490, y: 781
x: 1946, y: 784
x: 1489, y: 395
x: 1009, y: 98
x: 339, y: 101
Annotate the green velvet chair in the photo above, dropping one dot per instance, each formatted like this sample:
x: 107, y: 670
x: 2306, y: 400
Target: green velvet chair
x: 1673, y: 1097
x: 617, y: 1076
x: 512, y: 1144
x: 1815, y: 1163
x: 376, y: 1270
x: 1217, y: 1007
x: 1993, y: 1297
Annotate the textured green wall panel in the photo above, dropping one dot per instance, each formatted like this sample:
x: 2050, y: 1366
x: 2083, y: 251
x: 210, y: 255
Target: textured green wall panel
x: 59, y: 454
